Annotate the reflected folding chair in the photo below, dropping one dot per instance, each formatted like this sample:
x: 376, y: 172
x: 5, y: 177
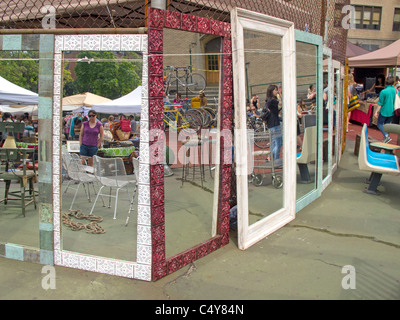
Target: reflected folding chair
x: 73, y: 173
x: 110, y: 172
x: 77, y: 173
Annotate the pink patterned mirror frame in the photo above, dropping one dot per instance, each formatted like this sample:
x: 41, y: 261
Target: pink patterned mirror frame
x: 158, y: 20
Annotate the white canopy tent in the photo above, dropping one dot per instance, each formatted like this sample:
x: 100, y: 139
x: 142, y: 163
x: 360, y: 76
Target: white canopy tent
x: 130, y: 103
x: 80, y: 100
x: 33, y: 109
x: 11, y: 94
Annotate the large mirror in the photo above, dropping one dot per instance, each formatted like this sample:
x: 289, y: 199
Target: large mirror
x: 329, y: 117
x: 19, y: 219
x: 191, y: 188
x: 191, y: 128
x: 264, y: 85
x: 307, y: 117
x: 101, y: 215
x: 309, y: 125
x: 337, y: 113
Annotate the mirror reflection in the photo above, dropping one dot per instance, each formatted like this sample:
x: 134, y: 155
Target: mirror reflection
x: 263, y: 69
x: 336, y: 115
x: 326, y: 115
x: 306, y: 67
x: 101, y: 109
x: 191, y: 87
x: 19, y: 220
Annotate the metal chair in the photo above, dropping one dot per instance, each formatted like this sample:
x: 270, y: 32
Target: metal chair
x: 77, y: 172
x: 110, y: 172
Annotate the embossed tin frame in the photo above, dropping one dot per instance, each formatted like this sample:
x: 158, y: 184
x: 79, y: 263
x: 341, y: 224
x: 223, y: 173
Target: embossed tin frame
x: 141, y: 269
x: 158, y: 20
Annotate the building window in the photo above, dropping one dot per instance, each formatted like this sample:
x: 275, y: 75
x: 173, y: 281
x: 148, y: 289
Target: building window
x: 396, y: 20
x: 367, y: 17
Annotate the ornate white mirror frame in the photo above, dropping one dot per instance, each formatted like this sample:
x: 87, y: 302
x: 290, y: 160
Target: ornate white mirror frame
x: 338, y: 82
x: 141, y: 268
x: 328, y: 179
x: 243, y: 19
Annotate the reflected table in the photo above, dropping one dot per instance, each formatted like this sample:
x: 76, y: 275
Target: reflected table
x: 386, y: 147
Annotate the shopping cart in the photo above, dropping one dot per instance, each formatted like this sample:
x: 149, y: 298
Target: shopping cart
x: 262, y: 161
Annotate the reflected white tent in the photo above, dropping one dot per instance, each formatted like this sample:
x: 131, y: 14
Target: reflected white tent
x: 130, y: 103
x: 33, y: 109
x: 77, y: 101
x: 11, y: 94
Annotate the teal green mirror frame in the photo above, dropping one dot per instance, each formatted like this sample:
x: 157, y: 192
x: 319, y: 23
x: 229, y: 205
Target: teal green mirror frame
x: 44, y: 44
x: 301, y: 36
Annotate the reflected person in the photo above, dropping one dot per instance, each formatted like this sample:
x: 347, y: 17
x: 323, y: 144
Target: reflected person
x: 90, y: 137
x: 273, y: 120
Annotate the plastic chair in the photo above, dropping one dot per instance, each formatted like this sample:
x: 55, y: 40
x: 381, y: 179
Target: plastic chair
x: 376, y: 163
x: 308, y: 153
x: 110, y: 172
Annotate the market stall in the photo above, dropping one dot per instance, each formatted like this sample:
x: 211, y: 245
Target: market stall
x: 12, y: 94
x: 385, y: 57
x: 127, y: 104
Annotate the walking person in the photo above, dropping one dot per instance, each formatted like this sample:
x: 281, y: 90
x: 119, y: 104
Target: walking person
x: 385, y: 110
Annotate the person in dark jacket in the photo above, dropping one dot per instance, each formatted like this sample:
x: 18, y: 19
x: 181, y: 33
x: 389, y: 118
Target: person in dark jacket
x: 273, y: 120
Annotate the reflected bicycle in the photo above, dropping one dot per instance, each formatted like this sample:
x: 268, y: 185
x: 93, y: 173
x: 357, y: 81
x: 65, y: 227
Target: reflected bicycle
x: 194, y: 82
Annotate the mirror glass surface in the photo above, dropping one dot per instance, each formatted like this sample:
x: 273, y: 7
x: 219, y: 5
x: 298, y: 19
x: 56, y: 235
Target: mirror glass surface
x: 191, y: 105
x: 327, y: 129
x: 94, y: 223
x: 306, y: 68
x: 263, y: 83
x: 22, y: 69
x: 336, y: 113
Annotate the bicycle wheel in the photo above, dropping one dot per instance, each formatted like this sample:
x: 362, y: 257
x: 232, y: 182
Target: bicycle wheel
x: 198, y: 113
x: 261, y: 137
x: 169, y: 121
x: 206, y: 117
x: 209, y: 117
x: 196, y: 82
x: 214, y: 119
x: 194, y: 120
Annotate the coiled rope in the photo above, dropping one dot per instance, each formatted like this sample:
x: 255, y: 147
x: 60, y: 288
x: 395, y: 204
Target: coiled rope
x: 91, y: 227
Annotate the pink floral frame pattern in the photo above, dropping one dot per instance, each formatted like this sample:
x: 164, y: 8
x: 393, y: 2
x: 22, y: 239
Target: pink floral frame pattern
x: 159, y: 19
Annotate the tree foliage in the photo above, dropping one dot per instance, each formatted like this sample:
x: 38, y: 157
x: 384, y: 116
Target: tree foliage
x: 106, y: 75
x: 109, y: 74
x: 20, y: 68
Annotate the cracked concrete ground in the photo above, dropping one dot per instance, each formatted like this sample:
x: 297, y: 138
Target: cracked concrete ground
x: 303, y: 260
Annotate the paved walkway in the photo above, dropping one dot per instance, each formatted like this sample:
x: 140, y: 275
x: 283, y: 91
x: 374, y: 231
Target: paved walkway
x: 344, y: 238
